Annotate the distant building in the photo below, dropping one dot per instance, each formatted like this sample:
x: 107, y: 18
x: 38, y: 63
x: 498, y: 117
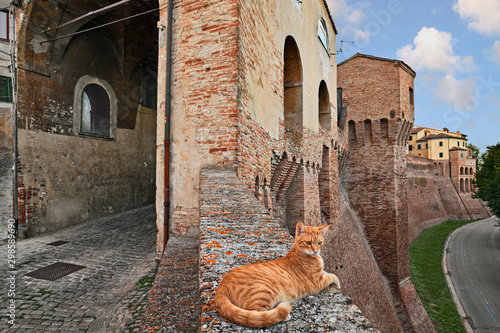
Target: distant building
x: 434, y: 144
x: 452, y: 158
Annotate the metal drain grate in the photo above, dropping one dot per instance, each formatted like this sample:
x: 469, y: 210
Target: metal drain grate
x: 58, y: 243
x: 55, y: 271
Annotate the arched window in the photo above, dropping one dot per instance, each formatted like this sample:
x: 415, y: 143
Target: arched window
x: 324, y: 109
x: 292, y: 85
x: 466, y: 185
x: 461, y: 170
x: 94, y: 108
x: 323, y: 34
x: 462, y: 185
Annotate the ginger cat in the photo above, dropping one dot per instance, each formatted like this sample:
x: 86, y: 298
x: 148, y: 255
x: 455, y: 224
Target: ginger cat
x: 259, y: 295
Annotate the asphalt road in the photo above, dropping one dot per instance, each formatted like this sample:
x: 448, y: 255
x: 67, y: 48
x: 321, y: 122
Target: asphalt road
x: 474, y: 262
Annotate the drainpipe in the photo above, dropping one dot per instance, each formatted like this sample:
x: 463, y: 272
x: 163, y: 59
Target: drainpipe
x: 168, y: 96
x: 13, y: 65
x: 463, y: 203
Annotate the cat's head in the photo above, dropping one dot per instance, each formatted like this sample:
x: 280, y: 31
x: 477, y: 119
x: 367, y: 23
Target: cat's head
x: 310, y: 240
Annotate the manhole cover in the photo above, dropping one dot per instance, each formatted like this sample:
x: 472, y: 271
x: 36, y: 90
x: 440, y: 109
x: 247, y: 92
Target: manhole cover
x: 58, y: 243
x: 55, y: 271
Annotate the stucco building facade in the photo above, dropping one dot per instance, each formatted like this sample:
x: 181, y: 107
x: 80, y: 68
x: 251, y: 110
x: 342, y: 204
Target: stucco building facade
x: 434, y: 144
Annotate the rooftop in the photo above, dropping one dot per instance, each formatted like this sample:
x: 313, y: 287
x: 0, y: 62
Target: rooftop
x: 400, y: 62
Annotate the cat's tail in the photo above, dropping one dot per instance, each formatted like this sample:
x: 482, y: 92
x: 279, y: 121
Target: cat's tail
x: 248, y: 317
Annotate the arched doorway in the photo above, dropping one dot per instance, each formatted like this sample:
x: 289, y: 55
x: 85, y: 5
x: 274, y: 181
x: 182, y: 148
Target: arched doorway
x: 292, y: 78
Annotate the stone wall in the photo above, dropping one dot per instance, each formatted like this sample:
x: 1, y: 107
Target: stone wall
x: 66, y: 174
x: 65, y: 180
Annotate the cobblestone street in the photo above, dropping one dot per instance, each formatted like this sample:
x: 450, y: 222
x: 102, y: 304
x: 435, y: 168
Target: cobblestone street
x: 108, y: 295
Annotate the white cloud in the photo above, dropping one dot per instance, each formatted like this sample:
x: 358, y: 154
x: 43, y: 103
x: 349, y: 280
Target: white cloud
x: 349, y: 17
x: 483, y: 16
x: 337, y: 7
x: 494, y: 52
x: 459, y: 93
x: 356, y: 16
x: 433, y: 50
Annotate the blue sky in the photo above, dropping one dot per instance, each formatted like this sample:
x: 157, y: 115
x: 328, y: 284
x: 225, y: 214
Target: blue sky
x: 453, y: 45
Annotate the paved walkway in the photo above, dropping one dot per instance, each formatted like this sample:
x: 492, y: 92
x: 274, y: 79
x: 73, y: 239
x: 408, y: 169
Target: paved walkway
x: 108, y: 295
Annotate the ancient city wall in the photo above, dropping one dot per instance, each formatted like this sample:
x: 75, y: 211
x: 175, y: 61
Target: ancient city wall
x: 433, y: 197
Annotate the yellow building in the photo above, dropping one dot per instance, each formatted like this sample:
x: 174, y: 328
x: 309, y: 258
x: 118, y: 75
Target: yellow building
x: 434, y: 144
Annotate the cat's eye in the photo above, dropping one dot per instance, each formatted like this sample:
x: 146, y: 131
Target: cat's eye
x: 319, y: 243
x: 308, y: 243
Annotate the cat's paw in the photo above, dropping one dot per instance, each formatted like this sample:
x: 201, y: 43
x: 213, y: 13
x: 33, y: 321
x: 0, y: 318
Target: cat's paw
x: 335, y: 280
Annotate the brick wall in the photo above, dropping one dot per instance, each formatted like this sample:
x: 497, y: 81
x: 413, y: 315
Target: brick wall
x: 204, y: 113
x: 433, y: 197
x: 380, y: 117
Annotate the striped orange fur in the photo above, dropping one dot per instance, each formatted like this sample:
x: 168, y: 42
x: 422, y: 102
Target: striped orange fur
x: 259, y: 295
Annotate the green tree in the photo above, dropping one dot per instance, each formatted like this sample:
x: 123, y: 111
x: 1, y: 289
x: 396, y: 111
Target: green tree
x: 476, y: 153
x: 488, y: 178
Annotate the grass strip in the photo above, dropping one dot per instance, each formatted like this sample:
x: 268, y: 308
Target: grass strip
x: 426, y: 272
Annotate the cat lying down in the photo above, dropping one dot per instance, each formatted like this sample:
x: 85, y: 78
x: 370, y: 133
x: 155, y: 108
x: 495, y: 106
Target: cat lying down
x: 259, y: 295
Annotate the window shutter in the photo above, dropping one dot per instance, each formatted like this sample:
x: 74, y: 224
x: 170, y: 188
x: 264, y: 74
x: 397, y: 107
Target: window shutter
x: 5, y: 89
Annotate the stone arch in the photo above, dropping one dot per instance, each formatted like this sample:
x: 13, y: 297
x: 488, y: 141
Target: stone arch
x: 466, y: 171
x: 292, y: 79
x: 256, y: 191
x: 324, y: 108
x: 352, y: 133
x: 461, y: 170
x: 461, y: 185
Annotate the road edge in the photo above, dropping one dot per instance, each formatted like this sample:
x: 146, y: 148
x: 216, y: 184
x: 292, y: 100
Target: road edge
x: 451, y: 286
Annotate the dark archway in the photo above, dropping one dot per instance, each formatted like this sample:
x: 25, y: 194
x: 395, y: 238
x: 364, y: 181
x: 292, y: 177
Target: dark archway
x: 324, y: 108
x: 292, y: 79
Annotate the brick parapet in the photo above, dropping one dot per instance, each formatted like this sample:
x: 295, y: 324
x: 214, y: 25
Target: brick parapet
x: 174, y: 300
x: 237, y: 230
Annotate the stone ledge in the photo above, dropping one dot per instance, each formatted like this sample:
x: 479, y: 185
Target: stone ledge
x: 236, y: 230
x: 173, y: 304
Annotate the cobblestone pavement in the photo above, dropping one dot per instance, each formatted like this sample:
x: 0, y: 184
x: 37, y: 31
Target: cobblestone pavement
x: 108, y: 295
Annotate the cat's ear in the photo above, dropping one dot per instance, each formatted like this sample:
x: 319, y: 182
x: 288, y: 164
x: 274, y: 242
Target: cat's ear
x: 324, y: 229
x: 300, y: 229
